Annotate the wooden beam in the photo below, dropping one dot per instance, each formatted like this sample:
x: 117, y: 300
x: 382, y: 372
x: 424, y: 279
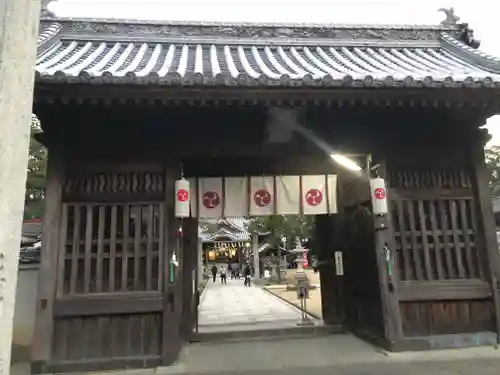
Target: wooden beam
x: 107, y: 304
x: 442, y: 290
x: 430, y: 194
x: 104, y: 364
x: 124, y: 94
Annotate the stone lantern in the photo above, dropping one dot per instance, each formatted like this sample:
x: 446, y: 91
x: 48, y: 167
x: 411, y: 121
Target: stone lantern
x: 299, y: 253
x: 301, y: 284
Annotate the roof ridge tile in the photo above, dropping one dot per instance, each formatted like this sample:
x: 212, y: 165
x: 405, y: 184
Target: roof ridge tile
x: 128, y: 21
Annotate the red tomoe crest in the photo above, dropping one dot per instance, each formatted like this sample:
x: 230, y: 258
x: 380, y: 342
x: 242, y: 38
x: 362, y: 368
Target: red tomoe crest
x: 262, y: 198
x: 379, y: 193
x: 182, y: 195
x: 314, y: 197
x: 211, y: 199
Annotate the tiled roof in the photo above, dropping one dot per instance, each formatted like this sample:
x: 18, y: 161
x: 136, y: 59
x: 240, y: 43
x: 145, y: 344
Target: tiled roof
x: 261, y: 56
x: 232, y: 235
x: 266, y: 246
x: 233, y: 228
x: 47, y: 33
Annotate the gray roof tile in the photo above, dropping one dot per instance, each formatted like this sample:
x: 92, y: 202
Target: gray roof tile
x: 256, y: 65
x: 233, y: 228
x: 126, y: 53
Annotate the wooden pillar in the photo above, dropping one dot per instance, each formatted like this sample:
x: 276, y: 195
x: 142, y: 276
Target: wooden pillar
x: 48, y: 271
x: 487, y: 238
x: 189, y: 268
x: 390, y: 306
x: 19, y: 32
x: 172, y: 307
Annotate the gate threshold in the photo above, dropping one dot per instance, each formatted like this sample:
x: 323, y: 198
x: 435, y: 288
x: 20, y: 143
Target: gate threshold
x: 268, y: 334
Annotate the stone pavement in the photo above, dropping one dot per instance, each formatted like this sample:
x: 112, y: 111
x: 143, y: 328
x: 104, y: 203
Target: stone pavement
x: 330, y: 355
x: 234, y: 307
x: 333, y: 355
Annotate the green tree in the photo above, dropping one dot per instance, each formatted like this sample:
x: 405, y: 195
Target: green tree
x: 492, y: 157
x: 279, y: 227
x: 35, y: 183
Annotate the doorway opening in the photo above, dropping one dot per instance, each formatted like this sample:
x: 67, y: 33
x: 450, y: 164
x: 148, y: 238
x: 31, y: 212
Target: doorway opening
x: 335, y: 254
x: 250, y: 268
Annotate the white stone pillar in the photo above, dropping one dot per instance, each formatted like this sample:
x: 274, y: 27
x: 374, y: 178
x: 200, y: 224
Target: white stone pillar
x: 19, y: 21
x: 256, y: 259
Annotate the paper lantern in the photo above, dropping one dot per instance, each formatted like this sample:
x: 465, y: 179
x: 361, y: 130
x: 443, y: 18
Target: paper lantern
x: 379, y: 196
x: 182, y: 198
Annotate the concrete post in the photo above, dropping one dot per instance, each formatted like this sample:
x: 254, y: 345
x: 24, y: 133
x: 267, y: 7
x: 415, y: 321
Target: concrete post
x: 19, y: 21
x: 256, y: 260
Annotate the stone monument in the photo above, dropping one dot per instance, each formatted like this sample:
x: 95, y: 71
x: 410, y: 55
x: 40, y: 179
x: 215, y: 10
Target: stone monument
x: 19, y: 21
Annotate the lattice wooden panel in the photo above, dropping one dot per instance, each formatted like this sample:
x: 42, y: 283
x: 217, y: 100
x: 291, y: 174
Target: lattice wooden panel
x: 435, y: 225
x: 110, y: 248
x: 435, y: 239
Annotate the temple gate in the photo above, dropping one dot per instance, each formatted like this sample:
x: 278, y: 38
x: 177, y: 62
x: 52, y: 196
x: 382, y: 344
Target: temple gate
x: 126, y: 107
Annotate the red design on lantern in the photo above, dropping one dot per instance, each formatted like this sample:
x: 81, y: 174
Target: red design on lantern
x: 182, y: 195
x: 379, y: 193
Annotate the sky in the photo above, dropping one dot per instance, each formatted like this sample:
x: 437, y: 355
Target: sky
x: 481, y: 15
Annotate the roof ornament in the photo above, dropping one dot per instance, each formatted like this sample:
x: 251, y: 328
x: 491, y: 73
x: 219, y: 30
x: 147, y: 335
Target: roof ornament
x: 466, y: 35
x: 451, y: 18
x: 45, y: 9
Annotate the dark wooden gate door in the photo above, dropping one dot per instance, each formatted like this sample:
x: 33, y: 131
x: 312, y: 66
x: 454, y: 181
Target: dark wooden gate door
x: 115, y: 304
x: 367, y: 310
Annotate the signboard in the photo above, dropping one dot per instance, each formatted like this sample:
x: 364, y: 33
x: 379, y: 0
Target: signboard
x: 339, y: 263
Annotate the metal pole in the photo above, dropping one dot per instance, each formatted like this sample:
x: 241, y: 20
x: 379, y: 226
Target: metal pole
x: 19, y: 21
x: 302, y: 308
x: 305, y: 308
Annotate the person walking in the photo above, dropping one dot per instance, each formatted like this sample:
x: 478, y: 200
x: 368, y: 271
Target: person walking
x: 246, y: 275
x: 214, y: 272
x: 223, y: 275
x: 237, y: 271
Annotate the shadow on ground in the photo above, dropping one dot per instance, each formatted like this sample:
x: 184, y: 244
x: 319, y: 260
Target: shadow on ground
x: 336, y: 354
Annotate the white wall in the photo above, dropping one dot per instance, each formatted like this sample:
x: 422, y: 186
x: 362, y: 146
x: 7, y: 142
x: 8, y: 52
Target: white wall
x: 24, y: 314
